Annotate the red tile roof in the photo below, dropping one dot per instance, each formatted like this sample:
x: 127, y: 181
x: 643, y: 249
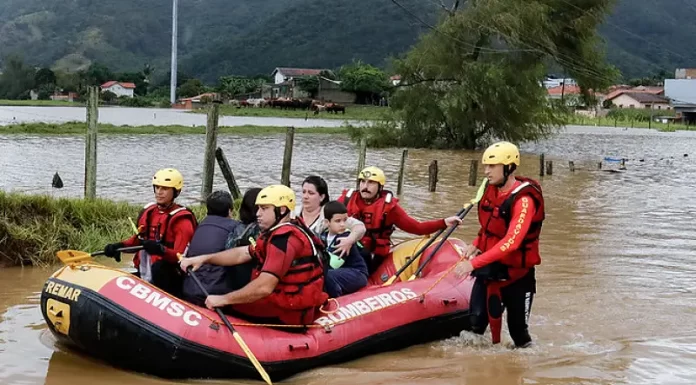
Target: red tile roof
x: 111, y: 83
x: 640, y: 89
x: 568, y: 90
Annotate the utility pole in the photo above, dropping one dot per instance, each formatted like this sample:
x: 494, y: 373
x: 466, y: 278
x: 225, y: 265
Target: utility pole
x: 172, y: 83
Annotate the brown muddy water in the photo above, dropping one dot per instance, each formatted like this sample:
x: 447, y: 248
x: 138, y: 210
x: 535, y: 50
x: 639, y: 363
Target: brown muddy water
x: 616, y: 288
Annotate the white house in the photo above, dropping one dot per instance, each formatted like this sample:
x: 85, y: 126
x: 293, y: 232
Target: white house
x: 281, y: 75
x: 119, y: 88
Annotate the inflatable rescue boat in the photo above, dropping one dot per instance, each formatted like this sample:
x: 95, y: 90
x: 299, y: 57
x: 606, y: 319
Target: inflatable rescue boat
x: 114, y: 316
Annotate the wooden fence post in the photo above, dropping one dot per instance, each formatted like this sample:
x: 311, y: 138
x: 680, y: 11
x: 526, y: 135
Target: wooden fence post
x: 432, y: 176
x: 473, y: 172
x: 287, y: 157
x: 211, y: 129
x: 541, y: 165
x: 361, y: 160
x: 571, y: 166
x: 549, y: 167
x: 400, y: 183
x: 227, y: 173
x: 91, y: 143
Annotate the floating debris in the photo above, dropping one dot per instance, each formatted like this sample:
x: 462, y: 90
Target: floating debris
x: 57, y: 182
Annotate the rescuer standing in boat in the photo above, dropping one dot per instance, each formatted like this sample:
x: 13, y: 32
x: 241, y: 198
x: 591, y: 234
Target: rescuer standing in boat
x: 164, y: 229
x: 380, y: 211
x: 287, y: 284
x: 511, y: 213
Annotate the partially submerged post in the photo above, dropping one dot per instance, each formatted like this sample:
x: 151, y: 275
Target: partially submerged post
x: 432, y: 176
x: 361, y: 159
x: 571, y: 166
x: 227, y: 173
x: 400, y: 183
x: 473, y: 172
x: 541, y: 165
x: 549, y: 167
x: 211, y: 129
x: 90, y: 190
x: 287, y: 157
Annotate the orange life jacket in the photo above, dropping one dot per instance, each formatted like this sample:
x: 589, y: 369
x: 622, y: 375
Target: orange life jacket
x: 159, y: 227
x: 301, y: 290
x: 378, y: 232
x: 495, y: 215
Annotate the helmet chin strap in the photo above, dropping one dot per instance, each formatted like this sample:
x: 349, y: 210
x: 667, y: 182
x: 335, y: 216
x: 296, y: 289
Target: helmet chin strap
x: 279, y: 216
x: 507, y: 170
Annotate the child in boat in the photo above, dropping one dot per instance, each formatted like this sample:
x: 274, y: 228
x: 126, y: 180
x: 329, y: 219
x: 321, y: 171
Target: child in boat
x: 348, y: 273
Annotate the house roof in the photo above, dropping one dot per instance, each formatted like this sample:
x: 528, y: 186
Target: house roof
x: 640, y: 89
x: 298, y: 71
x: 560, y: 90
x: 112, y: 83
x: 644, y: 97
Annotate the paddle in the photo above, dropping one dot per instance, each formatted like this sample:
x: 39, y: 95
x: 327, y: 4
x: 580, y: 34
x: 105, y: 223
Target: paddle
x: 461, y: 214
x: 76, y: 256
x: 234, y: 332
x: 469, y: 206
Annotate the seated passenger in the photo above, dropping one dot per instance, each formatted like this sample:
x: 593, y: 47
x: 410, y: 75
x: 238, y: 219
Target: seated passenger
x: 287, y: 284
x: 347, y: 274
x: 210, y: 237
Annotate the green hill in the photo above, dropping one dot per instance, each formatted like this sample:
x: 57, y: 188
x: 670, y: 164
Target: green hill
x: 219, y: 37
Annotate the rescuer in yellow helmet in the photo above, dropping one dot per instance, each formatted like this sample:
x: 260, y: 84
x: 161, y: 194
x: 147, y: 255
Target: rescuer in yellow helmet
x: 511, y: 213
x: 287, y: 285
x: 381, y: 213
x: 164, y: 230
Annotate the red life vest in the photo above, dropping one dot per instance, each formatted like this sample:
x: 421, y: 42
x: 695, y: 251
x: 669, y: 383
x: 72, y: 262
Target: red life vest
x: 495, y: 215
x: 153, y: 225
x: 301, y: 290
x: 377, y: 238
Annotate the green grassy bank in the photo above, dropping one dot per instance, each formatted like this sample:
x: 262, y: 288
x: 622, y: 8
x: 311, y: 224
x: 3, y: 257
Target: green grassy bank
x: 79, y: 128
x: 34, y: 227
x: 353, y: 112
x: 40, y: 103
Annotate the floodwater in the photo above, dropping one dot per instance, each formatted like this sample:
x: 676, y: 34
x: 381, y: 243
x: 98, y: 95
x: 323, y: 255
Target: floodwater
x: 120, y: 116
x: 616, y: 290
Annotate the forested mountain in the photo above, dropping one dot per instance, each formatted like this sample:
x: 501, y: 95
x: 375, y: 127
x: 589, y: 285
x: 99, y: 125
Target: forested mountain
x: 219, y: 37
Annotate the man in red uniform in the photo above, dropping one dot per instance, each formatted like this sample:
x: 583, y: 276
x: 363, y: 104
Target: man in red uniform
x: 165, y: 229
x: 287, y: 285
x: 380, y: 211
x: 511, y: 213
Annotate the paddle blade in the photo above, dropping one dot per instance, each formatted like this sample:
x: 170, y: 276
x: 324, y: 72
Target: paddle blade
x: 252, y: 358
x: 73, y: 256
x: 390, y: 281
x: 481, y: 190
x: 411, y: 278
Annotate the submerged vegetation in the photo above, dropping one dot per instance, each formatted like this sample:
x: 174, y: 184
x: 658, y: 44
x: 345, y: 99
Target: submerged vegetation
x: 34, y: 227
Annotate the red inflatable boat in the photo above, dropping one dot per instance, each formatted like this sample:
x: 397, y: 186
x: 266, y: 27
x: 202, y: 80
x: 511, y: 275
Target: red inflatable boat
x: 114, y: 316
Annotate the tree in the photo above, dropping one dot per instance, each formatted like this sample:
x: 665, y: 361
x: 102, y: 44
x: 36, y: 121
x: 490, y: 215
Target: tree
x: 366, y: 81
x: 478, y: 76
x: 45, y: 76
x: 308, y: 84
x: 17, y: 79
x: 192, y: 87
x: 237, y: 85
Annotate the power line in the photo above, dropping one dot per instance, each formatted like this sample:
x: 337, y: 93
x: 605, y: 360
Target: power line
x: 631, y: 33
x: 437, y: 30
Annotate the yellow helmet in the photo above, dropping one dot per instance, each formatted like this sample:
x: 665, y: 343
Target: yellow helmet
x: 504, y: 153
x: 168, y: 177
x: 277, y: 195
x: 374, y: 174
